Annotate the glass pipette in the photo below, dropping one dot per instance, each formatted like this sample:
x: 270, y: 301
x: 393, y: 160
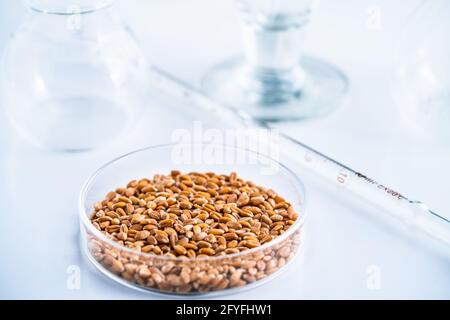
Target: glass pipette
x: 411, y: 212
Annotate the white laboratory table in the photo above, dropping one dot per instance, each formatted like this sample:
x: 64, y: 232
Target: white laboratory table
x: 348, y: 253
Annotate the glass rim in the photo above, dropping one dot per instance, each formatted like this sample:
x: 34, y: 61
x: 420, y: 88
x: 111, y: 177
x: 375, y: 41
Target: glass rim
x: 69, y: 9
x: 298, y: 185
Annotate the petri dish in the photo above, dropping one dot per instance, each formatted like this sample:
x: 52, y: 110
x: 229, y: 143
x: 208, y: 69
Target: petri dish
x: 213, y: 275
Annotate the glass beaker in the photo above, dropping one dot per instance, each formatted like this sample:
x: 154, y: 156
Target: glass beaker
x: 274, y: 80
x: 72, y: 76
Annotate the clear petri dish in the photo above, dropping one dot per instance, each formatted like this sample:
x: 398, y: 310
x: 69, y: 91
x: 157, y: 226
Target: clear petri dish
x: 213, y: 275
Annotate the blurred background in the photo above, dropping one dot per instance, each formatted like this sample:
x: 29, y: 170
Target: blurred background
x: 370, y: 132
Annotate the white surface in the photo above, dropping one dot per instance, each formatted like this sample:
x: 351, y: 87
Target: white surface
x: 39, y: 238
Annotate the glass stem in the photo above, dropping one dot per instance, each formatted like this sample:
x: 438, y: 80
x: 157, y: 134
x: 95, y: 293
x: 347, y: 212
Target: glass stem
x: 273, y: 51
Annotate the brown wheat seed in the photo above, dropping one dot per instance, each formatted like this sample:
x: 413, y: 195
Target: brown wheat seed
x: 193, y: 215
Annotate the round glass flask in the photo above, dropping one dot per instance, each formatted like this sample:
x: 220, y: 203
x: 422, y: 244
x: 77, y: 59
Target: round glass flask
x: 72, y: 76
x: 422, y: 70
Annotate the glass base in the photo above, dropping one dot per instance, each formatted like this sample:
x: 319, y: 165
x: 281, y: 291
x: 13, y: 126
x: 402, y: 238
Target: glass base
x: 321, y: 92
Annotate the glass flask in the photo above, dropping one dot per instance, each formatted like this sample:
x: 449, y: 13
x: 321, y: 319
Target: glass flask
x: 274, y: 81
x: 422, y: 72
x: 72, y: 76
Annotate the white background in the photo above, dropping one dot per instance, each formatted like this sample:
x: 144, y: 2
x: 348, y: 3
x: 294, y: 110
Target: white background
x: 38, y: 190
